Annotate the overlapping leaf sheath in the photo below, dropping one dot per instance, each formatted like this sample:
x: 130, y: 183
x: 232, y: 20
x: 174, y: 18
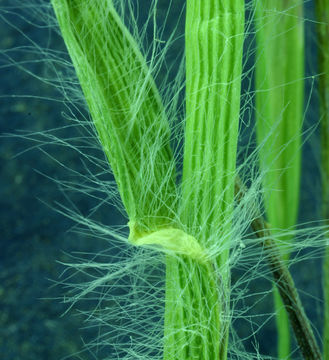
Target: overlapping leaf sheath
x: 214, y: 42
x: 279, y: 113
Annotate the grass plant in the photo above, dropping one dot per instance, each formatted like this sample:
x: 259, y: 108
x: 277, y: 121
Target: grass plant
x: 134, y: 132
x: 176, y: 280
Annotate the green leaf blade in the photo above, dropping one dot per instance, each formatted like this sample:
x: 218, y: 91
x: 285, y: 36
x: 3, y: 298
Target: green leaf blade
x: 125, y: 106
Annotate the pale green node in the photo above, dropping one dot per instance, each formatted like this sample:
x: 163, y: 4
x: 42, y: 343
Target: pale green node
x: 125, y: 106
x: 169, y: 240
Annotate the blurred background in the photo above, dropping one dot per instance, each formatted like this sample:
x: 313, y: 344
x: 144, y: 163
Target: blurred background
x: 35, y: 239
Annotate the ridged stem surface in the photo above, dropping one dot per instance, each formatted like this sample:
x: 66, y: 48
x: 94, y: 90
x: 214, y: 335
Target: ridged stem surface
x: 214, y: 42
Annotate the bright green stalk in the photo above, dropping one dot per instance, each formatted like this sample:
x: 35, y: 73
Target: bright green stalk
x: 214, y: 42
x: 279, y: 114
x: 125, y: 106
x: 322, y: 11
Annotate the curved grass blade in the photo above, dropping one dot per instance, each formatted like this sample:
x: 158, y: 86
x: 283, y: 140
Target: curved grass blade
x: 125, y: 106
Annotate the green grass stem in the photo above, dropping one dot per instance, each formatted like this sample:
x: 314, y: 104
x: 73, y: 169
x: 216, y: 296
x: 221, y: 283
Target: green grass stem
x: 279, y: 114
x: 214, y: 42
